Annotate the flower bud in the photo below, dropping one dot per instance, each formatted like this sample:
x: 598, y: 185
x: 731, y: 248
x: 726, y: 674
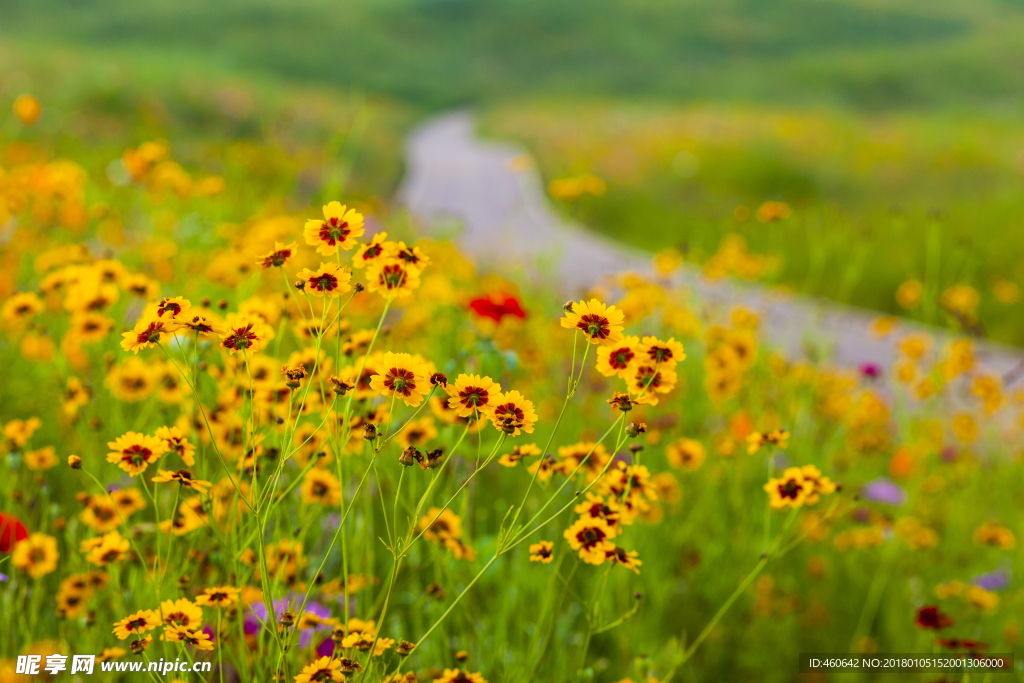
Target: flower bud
x: 74, y: 462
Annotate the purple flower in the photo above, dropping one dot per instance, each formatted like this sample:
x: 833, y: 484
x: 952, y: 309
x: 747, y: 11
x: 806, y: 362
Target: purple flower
x: 871, y: 370
x: 993, y: 581
x: 884, y: 490
x: 325, y: 649
x: 4, y: 577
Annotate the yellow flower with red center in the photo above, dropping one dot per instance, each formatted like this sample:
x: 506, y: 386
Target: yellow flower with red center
x: 591, y: 536
x: 181, y: 612
x: 220, y: 596
x: 518, y: 453
x: 459, y: 676
x: 109, y: 548
x: 243, y: 334
x: 630, y: 560
x: 391, y: 277
x: 374, y: 250
x: 513, y: 412
x: 542, y: 552
x: 602, y: 324
x: 471, y: 394
x: 320, y: 671
x: 662, y: 353
x: 183, y: 477
x: 146, y: 333
x: 401, y: 376
x: 820, y: 486
x: 617, y: 360
x: 649, y: 379
x: 790, y: 490
x: 413, y: 257
x: 330, y: 280
x: 339, y: 229
x: 36, y: 555
x: 136, y: 624
x: 174, y: 440
x: 200, y: 640
x: 133, y: 452
x: 278, y: 257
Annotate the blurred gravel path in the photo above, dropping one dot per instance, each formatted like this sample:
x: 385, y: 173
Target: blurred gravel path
x: 471, y: 189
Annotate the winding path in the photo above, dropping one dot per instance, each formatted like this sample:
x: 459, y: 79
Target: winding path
x: 479, y: 193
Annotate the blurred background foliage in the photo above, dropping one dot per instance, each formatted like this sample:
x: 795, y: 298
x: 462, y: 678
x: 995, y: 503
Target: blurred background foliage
x: 893, y: 130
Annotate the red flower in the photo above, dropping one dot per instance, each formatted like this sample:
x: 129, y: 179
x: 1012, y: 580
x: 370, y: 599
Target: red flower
x: 496, y: 306
x: 929, y: 616
x: 11, y: 531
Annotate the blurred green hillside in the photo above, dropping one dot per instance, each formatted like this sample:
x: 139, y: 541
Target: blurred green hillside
x: 438, y: 53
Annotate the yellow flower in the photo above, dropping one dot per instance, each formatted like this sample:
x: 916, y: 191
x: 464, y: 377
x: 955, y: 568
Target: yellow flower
x: 688, y: 453
x: 663, y: 353
x: 27, y: 109
x: 131, y: 381
x: 518, y: 453
x: 330, y: 280
x: 340, y: 229
x: 648, y: 380
x: 591, y: 536
x: 981, y: 598
x: 181, y: 634
x: 542, y: 552
x: 183, y: 477
x: 136, y: 624
x: 18, y: 432
x: 630, y: 560
x: 819, y: 485
x: 107, y: 549
x: 374, y: 250
x: 42, y: 459
x: 321, y: 670
x: 20, y: 307
x: 471, y: 394
x: 90, y: 326
x: 909, y: 294
x: 146, y: 333
x: 459, y: 676
x: 391, y: 277
x: 220, y: 596
x: 993, y: 534
x: 278, y: 257
x: 320, y: 486
x: 402, y: 376
x: 181, y: 612
x: 175, y: 441
x: 36, y: 555
x: 133, y: 452
x: 512, y: 413
x: 243, y: 334
x: 417, y: 433
x: 618, y: 359
x: 602, y: 324
x: 791, y: 490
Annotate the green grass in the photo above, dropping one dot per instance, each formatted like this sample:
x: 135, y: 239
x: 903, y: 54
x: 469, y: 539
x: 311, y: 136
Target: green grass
x: 878, y: 199
x: 438, y: 53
